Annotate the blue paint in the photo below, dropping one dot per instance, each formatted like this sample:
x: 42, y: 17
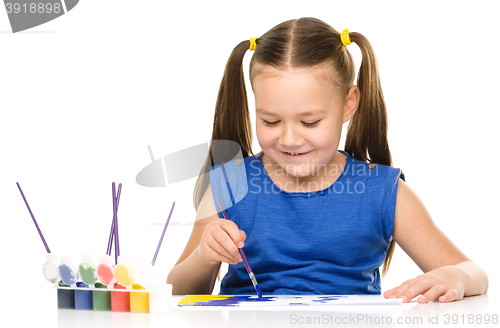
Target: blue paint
x: 234, y: 301
x: 83, y: 298
x: 67, y: 274
x: 325, y: 299
x: 259, y: 293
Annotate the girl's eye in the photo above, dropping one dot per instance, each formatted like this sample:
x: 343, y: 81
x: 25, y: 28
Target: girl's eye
x: 309, y: 125
x: 271, y: 123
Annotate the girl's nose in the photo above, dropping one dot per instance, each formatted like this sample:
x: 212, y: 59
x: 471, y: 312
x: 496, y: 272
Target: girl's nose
x: 290, y: 138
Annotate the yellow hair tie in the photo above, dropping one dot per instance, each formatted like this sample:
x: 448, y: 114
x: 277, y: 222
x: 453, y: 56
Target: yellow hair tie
x: 344, y: 37
x: 253, y: 44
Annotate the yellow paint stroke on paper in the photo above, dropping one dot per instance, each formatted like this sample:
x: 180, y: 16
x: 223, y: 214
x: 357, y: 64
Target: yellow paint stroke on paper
x: 193, y: 299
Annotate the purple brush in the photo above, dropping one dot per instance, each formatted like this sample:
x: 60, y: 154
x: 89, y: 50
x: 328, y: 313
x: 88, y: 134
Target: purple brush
x: 33, y: 217
x: 111, y: 233
x: 162, y: 235
x: 245, y: 261
x: 115, y: 218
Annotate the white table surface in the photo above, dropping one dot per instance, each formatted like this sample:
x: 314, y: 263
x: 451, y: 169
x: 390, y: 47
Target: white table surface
x: 40, y: 310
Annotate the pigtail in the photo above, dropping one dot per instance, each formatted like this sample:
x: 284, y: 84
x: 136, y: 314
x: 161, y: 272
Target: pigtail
x: 367, y: 131
x: 231, y: 119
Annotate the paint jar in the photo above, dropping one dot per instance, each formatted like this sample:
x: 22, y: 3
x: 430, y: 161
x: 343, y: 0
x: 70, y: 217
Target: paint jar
x: 106, y: 270
x: 139, y: 301
x: 101, y: 297
x: 87, y: 270
x: 120, y: 300
x: 83, y: 298
x: 144, y: 273
x: 160, y: 299
x: 124, y: 272
x: 65, y: 296
x: 51, y: 268
x: 67, y: 271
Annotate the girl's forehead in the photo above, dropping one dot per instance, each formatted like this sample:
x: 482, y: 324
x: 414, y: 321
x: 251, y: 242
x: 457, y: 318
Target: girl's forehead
x: 295, y: 85
x: 323, y: 74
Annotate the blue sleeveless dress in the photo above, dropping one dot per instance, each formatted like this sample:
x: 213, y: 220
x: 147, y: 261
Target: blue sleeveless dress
x: 329, y: 241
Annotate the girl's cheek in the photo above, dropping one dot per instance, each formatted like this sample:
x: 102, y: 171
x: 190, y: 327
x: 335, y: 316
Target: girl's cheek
x: 263, y: 135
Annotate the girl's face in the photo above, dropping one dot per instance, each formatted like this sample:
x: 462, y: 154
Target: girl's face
x: 300, y: 111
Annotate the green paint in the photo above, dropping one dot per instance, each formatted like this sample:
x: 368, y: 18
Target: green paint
x: 88, y: 273
x: 101, y: 299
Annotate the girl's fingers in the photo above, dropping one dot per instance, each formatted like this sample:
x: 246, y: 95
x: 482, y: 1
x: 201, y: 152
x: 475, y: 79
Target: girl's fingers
x: 421, y: 287
x: 212, y: 252
x: 217, y: 255
x: 234, y: 233
x: 223, y: 244
x: 433, y: 293
x: 451, y: 295
x: 211, y: 256
x: 389, y: 292
x: 398, y: 291
x: 243, y: 235
x: 220, y: 242
x: 445, y: 284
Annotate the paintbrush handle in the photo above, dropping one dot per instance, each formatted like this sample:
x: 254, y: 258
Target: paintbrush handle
x: 243, y: 256
x: 242, y: 253
x: 115, y: 219
x: 112, y: 232
x: 245, y: 261
x: 117, y: 243
x: 162, y: 235
x: 34, y: 220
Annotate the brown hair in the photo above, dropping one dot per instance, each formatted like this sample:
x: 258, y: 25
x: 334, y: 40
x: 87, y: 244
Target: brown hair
x: 302, y: 43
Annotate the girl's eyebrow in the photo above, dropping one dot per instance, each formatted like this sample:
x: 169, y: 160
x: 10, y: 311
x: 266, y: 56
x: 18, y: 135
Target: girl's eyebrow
x: 312, y: 112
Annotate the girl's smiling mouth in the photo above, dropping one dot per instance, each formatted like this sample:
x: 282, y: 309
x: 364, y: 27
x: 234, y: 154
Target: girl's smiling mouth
x: 294, y: 155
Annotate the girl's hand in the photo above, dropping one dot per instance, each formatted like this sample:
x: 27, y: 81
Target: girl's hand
x: 448, y: 283
x: 220, y: 242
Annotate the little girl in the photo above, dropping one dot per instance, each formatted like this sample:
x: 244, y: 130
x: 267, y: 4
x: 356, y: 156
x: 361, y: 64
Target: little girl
x: 312, y: 219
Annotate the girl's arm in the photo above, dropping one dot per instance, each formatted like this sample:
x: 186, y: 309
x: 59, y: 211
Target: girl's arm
x: 448, y: 274
x: 212, y: 240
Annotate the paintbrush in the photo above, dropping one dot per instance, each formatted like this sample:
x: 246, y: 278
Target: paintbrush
x: 34, y: 220
x: 115, y: 219
x: 112, y: 232
x: 243, y: 256
x: 162, y: 235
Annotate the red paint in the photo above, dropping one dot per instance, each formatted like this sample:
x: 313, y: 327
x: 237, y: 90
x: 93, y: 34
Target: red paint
x: 120, y: 301
x: 106, y: 274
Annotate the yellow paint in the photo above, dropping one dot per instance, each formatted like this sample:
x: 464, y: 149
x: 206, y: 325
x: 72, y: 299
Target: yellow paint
x: 139, y: 302
x: 192, y: 299
x: 124, y: 275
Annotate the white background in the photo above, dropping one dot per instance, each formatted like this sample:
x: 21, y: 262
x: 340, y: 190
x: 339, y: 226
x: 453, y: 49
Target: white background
x: 82, y: 96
